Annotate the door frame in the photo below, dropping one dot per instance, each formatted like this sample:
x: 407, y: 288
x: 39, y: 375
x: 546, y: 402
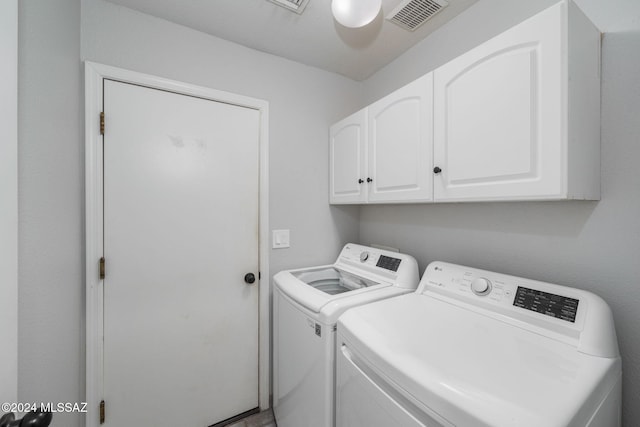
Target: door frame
x: 9, y: 201
x: 94, y: 75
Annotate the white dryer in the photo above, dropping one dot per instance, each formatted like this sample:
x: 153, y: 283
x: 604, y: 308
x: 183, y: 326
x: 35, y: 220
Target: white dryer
x: 472, y: 348
x: 307, y: 304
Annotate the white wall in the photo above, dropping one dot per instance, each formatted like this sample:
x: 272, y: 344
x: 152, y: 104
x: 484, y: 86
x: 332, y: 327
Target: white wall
x: 54, y: 38
x: 589, y: 245
x: 50, y: 164
x: 9, y: 201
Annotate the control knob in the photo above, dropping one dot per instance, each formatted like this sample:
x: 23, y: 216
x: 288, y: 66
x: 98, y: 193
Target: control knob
x: 481, y: 286
x: 364, y: 256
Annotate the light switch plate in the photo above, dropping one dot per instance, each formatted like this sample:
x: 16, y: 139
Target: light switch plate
x: 280, y: 239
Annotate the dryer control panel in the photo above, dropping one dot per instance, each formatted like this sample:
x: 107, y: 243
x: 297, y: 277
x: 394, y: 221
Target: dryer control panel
x: 549, y: 304
x: 571, y: 315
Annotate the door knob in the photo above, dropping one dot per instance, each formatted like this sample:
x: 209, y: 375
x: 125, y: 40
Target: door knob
x: 249, y: 278
x: 369, y: 180
x: 437, y: 170
x: 360, y: 181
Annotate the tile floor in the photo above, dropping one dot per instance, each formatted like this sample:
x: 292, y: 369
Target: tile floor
x: 261, y: 419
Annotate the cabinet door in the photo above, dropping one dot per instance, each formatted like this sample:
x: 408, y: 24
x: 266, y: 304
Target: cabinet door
x: 348, y: 159
x: 500, y: 114
x: 400, y: 144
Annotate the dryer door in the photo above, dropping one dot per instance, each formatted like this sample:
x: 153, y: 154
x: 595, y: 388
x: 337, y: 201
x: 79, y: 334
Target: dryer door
x: 365, y: 399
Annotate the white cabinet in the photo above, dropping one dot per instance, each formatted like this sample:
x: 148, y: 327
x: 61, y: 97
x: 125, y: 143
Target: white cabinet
x: 517, y: 118
x: 382, y: 154
x: 400, y: 144
x: 348, y: 159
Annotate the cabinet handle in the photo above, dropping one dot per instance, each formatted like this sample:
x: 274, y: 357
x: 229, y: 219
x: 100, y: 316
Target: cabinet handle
x: 369, y: 180
x: 360, y: 181
x: 437, y: 170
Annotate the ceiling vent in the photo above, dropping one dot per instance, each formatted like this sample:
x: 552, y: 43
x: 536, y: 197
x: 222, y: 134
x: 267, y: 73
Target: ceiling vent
x: 296, y: 6
x: 410, y: 14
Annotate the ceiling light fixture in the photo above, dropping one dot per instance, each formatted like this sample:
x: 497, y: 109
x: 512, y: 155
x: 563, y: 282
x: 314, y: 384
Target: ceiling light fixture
x: 355, y: 13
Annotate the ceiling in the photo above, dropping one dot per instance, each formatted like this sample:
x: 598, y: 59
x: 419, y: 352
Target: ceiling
x: 312, y: 38
x: 315, y: 38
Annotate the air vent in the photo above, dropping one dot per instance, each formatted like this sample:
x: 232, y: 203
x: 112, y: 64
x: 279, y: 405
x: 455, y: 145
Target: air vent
x: 410, y: 14
x: 296, y: 6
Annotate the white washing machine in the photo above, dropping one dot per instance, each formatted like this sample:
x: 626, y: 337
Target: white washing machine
x: 472, y: 348
x: 307, y: 304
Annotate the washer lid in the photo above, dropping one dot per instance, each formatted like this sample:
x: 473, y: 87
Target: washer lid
x: 475, y: 370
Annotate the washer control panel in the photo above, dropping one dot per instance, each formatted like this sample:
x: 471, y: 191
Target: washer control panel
x: 374, y: 263
x: 372, y: 257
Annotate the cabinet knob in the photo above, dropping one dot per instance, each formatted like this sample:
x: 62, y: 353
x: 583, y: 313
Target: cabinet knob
x: 360, y: 181
x: 437, y: 170
x: 369, y: 180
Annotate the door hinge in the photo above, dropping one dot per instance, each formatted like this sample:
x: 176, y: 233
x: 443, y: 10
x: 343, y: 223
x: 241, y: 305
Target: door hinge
x: 102, y: 412
x: 102, y: 123
x: 102, y: 268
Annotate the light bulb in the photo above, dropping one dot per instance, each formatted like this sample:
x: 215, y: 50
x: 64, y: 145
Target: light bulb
x: 355, y: 13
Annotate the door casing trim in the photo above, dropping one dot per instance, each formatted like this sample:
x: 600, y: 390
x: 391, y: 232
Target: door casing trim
x: 9, y: 201
x: 94, y: 75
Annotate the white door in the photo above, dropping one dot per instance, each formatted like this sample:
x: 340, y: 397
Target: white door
x: 400, y: 144
x: 498, y: 116
x: 348, y: 159
x: 180, y: 233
